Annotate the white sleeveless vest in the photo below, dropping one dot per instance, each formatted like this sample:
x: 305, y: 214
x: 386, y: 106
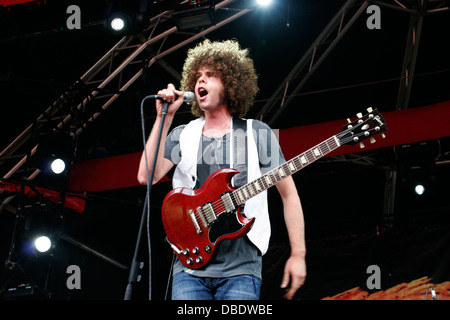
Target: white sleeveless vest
x: 186, y: 172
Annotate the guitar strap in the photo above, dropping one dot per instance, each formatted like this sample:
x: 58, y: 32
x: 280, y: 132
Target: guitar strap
x: 239, y: 151
x: 246, y: 158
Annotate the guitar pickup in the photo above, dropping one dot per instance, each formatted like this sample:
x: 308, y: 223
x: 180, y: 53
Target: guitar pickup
x: 227, y: 202
x: 209, y: 213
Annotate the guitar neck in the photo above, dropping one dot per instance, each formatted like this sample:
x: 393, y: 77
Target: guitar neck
x: 271, y: 178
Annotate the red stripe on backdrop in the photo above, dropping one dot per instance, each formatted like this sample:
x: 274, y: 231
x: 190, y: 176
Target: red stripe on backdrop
x: 105, y: 173
x: 405, y: 126
x: 13, y: 2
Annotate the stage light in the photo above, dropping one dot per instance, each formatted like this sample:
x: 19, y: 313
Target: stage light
x: 117, y: 24
x: 120, y: 22
x: 126, y: 17
x: 419, y: 189
x: 194, y: 15
x: 263, y: 2
x: 54, y: 157
x: 42, y: 243
x: 58, y: 166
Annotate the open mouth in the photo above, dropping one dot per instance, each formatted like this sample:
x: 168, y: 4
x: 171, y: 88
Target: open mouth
x: 202, y: 92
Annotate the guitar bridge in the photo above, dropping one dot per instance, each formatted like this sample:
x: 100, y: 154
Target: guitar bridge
x: 200, y: 214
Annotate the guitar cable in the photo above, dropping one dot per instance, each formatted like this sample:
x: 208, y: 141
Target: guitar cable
x: 170, y: 276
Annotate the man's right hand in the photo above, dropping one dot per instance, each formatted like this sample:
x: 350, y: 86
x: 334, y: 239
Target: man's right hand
x: 173, y: 97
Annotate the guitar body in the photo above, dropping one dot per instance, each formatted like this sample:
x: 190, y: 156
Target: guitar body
x: 196, y: 221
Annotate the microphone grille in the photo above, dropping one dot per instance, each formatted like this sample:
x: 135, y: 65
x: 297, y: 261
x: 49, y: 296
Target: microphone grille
x: 188, y: 96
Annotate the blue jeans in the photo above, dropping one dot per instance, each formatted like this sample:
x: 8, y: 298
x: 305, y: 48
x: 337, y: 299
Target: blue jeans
x: 242, y: 287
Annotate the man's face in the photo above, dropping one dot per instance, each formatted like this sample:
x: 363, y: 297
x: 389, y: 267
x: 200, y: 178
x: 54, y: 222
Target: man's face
x: 209, y: 89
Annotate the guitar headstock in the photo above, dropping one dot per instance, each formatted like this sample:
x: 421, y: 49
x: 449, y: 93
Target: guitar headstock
x: 365, y: 127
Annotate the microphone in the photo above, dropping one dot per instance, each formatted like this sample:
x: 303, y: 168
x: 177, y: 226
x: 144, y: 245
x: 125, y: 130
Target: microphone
x: 187, y: 96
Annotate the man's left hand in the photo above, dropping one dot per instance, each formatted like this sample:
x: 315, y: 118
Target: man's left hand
x: 294, y: 274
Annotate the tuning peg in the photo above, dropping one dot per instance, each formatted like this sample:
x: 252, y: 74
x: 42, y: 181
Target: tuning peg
x: 369, y: 109
x: 350, y: 126
x: 359, y: 115
x: 372, y: 140
x: 383, y: 135
x: 361, y: 145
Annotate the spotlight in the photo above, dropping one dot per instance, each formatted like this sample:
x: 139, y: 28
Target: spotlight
x: 117, y: 24
x: 120, y: 22
x: 42, y: 243
x: 58, y: 166
x: 54, y: 157
x: 55, y: 153
x: 263, y: 2
x: 126, y: 17
x: 419, y: 189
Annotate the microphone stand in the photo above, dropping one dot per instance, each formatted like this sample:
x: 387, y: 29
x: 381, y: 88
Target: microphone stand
x: 133, y: 276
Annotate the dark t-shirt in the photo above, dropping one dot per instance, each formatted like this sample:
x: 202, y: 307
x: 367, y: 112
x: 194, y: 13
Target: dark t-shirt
x: 238, y: 256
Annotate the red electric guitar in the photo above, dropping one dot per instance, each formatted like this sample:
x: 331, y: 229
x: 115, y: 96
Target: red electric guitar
x: 196, y: 221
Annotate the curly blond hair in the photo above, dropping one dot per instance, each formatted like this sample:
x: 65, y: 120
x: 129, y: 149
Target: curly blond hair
x: 234, y: 67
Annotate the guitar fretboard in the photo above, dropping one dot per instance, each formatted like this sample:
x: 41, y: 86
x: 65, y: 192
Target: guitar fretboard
x: 271, y: 178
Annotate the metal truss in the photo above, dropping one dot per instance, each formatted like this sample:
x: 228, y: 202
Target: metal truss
x: 102, y: 84
x: 418, y: 10
x: 126, y: 61
x: 310, y: 61
x: 325, y: 43
x: 332, y: 34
